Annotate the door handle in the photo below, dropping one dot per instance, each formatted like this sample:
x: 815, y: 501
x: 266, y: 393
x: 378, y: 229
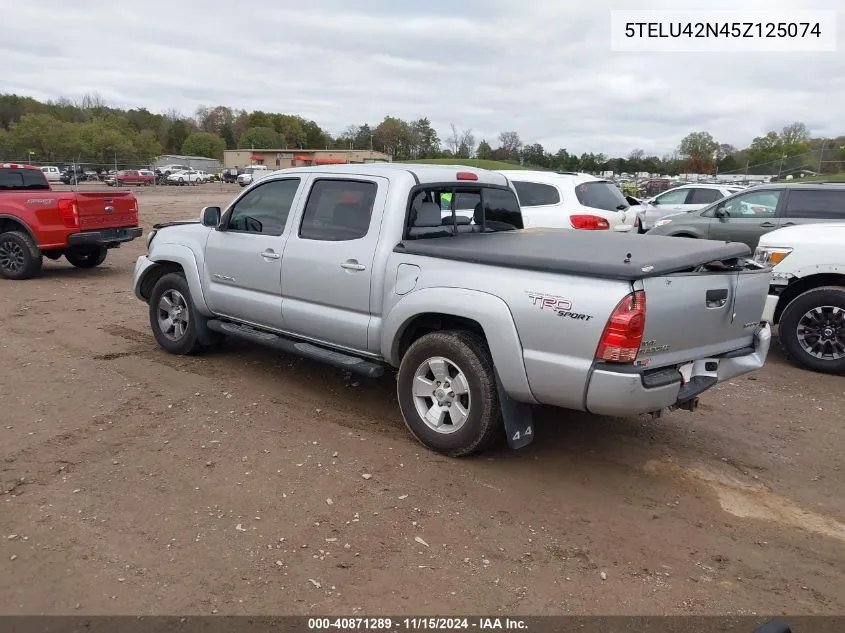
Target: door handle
x: 716, y: 298
x: 352, y: 264
x: 270, y: 254
x: 767, y: 225
x: 790, y: 224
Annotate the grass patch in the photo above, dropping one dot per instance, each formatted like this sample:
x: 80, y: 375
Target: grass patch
x: 469, y: 162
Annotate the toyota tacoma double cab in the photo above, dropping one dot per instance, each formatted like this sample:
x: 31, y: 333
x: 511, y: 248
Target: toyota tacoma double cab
x: 37, y: 222
x: 356, y: 266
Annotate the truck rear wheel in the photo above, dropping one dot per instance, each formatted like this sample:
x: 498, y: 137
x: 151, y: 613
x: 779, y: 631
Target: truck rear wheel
x: 812, y: 330
x: 87, y: 256
x: 20, y: 257
x: 446, y: 389
x: 172, y: 316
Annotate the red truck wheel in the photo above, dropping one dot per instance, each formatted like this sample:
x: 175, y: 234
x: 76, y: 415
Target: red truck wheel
x: 20, y: 258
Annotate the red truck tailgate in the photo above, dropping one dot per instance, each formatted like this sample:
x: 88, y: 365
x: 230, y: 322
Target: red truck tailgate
x: 106, y: 209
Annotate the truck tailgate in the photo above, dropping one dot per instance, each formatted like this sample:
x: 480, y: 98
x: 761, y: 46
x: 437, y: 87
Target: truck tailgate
x: 106, y: 209
x: 696, y: 315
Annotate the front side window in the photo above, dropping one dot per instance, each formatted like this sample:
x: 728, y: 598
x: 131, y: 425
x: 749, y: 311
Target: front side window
x: 535, y: 194
x: 265, y: 209
x: 752, y: 205
x: 817, y: 204
x: 338, y: 210
x: 677, y: 196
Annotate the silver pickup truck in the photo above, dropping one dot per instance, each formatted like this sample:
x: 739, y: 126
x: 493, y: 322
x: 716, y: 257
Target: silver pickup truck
x: 358, y: 266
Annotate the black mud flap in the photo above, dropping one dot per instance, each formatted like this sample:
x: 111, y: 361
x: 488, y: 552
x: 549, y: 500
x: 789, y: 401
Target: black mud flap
x: 518, y: 418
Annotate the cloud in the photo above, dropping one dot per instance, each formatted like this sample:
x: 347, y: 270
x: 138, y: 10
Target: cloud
x: 539, y: 67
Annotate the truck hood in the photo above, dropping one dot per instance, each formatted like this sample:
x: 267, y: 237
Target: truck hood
x: 812, y: 235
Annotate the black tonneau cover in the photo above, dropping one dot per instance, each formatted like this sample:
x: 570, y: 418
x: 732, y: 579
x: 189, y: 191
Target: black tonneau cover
x: 585, y: 253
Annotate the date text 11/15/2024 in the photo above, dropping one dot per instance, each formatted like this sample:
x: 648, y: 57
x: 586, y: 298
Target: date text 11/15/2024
x: 417, y: 624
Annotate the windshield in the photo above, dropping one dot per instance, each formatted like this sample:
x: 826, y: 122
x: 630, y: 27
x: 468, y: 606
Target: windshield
x: 29, y: 179
x: 601, y: 194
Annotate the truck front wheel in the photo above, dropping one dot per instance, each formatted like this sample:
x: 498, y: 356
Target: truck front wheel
x: 20, y: 257
x: 812, y: 330
x: 87, y: 256
x: 172, y: 316
x: 446, y: 389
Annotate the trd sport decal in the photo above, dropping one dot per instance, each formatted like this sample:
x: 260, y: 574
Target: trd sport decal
x: 560, y: 306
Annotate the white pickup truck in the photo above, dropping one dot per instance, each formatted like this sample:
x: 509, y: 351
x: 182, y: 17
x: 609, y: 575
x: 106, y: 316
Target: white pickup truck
x: 807, y: 293
x: 355, y: 266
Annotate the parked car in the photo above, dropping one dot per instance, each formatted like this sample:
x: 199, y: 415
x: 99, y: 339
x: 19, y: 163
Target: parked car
x: 231, y: 175
x: 72, y: 174
x: 570, y: 201
x: 130, y: 177
x: 37, y: 222
x: 355, y: 266
x: 807, y: 293
x: 751, y: 213
x: 683, y: 198
x: 52, y: 172
x: 252, y: 173
x: 166, y: 170
x: 187, y: 177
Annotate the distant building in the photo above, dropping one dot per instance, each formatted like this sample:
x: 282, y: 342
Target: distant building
x: 282, y: 158
x: 194, y: 162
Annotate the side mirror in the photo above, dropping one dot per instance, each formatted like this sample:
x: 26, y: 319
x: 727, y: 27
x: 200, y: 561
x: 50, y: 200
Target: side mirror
x: 210, y: 216
x: 654, y: 202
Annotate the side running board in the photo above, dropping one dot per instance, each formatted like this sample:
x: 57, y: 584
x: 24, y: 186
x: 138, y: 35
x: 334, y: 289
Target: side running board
x: 299, y: 348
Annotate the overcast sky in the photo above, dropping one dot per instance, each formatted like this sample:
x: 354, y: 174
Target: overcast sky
x: 540, y: 67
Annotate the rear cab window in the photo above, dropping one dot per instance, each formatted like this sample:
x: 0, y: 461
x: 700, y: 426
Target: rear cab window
x: 17, y: 179
x: 816, y: 204
x: 446, y: 210
x: 600, y: 194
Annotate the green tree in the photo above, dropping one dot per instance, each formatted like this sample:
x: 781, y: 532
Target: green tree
x: 260, y: 138
x: 204, y: 144
x: 484, y: 151
x: 699, y: 150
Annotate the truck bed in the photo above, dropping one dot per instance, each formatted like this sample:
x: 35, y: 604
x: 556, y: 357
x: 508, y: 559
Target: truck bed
x: 584, y: 253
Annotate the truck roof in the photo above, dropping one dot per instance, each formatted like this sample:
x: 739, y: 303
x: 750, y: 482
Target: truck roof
x: 422, y: 173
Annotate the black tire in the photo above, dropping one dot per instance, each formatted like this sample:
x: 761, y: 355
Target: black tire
x: 20, y: 257
x: 188, y: 342
x: 793, y: 322
x: 87, y: 256
x: 468, y: 352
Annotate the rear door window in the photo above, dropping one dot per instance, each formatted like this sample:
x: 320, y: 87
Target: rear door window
x: 816, y: 204
x: 704, y: 196
x: 338, y: 210
x: 601, y: 195
x: 535, y: 194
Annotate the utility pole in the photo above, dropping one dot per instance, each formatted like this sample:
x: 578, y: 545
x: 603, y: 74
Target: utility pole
x: 821, y: 155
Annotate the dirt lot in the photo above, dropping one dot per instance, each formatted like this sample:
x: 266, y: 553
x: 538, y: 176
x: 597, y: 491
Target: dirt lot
x: 138, y: 482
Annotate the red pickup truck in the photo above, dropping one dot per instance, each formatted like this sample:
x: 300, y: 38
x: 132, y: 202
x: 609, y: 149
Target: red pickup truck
x: 37, y: 222
x: 133, y: 177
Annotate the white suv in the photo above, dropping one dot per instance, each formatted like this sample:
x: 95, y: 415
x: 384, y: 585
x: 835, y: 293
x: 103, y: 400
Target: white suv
x: 570, y: 201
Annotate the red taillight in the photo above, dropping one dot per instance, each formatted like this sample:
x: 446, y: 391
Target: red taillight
x: 623, y: 333
x: 466, y: 175
x: 589, y: 222
x: 69, y: 213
